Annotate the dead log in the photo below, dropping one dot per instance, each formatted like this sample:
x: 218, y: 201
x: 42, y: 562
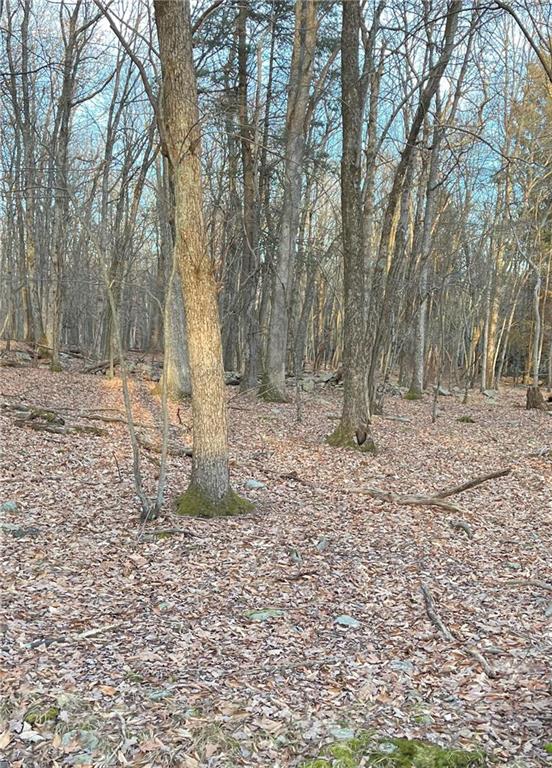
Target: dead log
x: 101, y: 366
x: 60, y: 429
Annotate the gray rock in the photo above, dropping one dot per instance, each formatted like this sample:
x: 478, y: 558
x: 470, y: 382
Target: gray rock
x: 490, y: 393
x: 444, y: 392
x: 402, y: 666
x: 254, y: 485
x: 347, y: 621
x: 308, y: 385
x: 325, y: 376
x: 231, y: 378
x: 8, y: 506
x: 19, y: 531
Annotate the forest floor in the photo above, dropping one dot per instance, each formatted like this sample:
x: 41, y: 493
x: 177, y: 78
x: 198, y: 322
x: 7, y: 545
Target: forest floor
x: 219, y: 646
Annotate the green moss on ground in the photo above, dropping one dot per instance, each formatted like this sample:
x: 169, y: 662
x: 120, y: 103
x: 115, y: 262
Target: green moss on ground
x: 194, y: 503
x: 51, y: 417
x: 36, y: 716
x: 368, y: 750
x: 466, y: 420
x: 342, y: 437
x: 412, y: 394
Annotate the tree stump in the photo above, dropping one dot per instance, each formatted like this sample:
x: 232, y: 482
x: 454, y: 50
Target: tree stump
x: 535, y: 400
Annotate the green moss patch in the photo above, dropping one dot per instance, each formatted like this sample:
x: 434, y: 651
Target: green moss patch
x: 343, y: 437
x: 412, y: 394
x: 368, y: 750
x: 38, y: 716
x: 195, y: 503
x: 466, y: 420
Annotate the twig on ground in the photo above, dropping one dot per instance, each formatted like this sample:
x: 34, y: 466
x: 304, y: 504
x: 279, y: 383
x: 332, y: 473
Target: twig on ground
x: 433, y: 614
x: 472, y: 483
x: 541, y: 453
x: 531, y: 583
x: 68, y: 638
x: 437, y: 621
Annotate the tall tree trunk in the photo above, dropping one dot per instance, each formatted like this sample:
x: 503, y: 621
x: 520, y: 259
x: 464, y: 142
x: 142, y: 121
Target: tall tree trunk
x: 274, y: 381
x: 250, y: 234
x: 354, y: 427
x: 209, y: 492
x: 385, y: 288
x: 175, y: 357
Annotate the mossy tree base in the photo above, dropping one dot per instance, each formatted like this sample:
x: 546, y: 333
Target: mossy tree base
x: 367, y: 750
x: 344, y: 437
x: 270, y: 393
x: 413, y: 394
x: 195, y: 503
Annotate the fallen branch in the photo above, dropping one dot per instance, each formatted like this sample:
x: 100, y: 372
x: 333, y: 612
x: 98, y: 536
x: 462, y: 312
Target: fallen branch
x: 437, y: 500
x: 469, y: 650
x: 113, y: 420
x: 159, y: 533
x: 97, y: 631
x: 101, y: 366
x: 434, y: 616
x: 41, y: 426
x: 402, y: 419
x: 60, y: 429
x: 411, y: 499
x: 69, y: 639
x: 531, y: 583
x: 437, y: 621
x: 296, y: 576
x: 472, y: 483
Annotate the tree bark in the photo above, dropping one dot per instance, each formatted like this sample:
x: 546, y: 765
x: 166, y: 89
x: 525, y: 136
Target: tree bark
x: 209, y: 492
x: 274, y: 385
x: 354, y: 427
